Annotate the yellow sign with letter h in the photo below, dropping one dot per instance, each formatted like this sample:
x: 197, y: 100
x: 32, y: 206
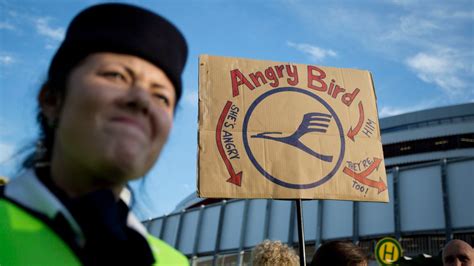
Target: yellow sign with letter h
x: 388, y: 251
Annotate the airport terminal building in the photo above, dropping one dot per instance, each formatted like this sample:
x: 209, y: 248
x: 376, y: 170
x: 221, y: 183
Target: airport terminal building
x: 429, y: 158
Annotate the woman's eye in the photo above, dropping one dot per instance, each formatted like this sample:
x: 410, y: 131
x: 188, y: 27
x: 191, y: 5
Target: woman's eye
x: 162, y: 98
x: 114, y: 75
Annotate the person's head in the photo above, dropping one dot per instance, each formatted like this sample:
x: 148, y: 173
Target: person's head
x: 339, y: 253
x: 457, y: 252
x: 107, y: 106
x: 269, y: 253
x: 3, y: 180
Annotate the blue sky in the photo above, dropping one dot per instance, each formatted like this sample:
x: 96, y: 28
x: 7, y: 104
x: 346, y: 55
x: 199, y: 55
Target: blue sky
x: 420, y: 53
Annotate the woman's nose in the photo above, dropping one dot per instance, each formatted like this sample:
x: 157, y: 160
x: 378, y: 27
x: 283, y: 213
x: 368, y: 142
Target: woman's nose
x: 138, y: 99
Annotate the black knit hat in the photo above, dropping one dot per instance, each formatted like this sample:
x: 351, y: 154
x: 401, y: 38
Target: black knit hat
x: 125, y: 29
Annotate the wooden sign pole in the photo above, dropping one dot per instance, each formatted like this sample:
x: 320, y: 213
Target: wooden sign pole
x: 301, y: 241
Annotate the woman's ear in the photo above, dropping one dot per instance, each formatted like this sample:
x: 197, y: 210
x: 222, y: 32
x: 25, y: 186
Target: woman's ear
x: 50, y: 103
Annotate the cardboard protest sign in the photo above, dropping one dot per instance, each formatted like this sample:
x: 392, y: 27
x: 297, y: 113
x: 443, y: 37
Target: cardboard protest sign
x: 288, y: 131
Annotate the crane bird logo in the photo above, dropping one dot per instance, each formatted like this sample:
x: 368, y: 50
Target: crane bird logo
x: 312, y: 122
x: 318, y: 118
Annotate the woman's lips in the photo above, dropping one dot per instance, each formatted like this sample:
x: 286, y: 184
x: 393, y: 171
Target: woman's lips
x: 133, y: 122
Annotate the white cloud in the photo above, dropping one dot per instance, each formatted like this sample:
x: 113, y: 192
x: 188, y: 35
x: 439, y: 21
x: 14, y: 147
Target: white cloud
x: 423, y: 104
x: 391, y: 110
x: 6, y: 151
x: 43, y: 28
x: 13, y: 13
x: 443, y: 68
x: 386, y: 111
x: 316, y: 53
x: 412, y: 30
x: 6, y: 60
x: 458, y: 14
x: 191, y: 98
x: 6, y: 26
x: 402, y: 2
x: 187, y: 187
x: 414, y: 25
x: 440, y: 9
x: 51, y: 47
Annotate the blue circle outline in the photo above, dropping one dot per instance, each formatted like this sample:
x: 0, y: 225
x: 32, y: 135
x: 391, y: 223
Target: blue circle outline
x: 269, y: 176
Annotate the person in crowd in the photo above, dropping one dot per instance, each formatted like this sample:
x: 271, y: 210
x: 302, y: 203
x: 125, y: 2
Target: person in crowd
x: 339, y: 253
x: 458, y: 253
x: 270, y: 253
x: 3, y: 180
x: 105, y: 112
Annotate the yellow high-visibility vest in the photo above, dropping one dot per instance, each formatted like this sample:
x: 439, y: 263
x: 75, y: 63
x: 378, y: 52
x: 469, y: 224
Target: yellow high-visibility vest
x: 26, y: 240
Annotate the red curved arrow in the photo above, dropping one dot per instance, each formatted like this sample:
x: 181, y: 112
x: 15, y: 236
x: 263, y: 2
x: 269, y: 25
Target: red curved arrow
x: 352, y: 132
x: 362, y: 176
x: 235, y: 178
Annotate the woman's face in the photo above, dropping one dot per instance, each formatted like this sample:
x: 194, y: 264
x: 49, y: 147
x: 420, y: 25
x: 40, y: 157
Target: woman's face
x: 115, y: 118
